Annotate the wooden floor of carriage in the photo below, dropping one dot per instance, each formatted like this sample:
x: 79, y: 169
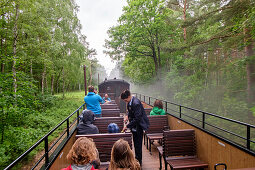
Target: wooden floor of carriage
x: 150, y: 161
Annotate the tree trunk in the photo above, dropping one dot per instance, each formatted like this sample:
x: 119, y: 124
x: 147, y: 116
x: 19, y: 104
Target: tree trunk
x: 90, y: 74
x: 52, y: 85
x: 250, y: 66
x: 63, y: 87
x: 31, y: 68
x: 184, y: 19
x: 154, y: 56
x: 43, y: 78
x: 15, y: 39
x: 2, y: 54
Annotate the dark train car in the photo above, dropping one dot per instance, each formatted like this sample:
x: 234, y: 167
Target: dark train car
x: 114, y: 87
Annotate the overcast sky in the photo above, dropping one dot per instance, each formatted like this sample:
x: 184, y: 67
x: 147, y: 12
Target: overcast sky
x: 96, y: 17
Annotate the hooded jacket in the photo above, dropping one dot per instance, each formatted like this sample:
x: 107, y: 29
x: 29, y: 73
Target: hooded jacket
x: 86, y: 124
x: 157, y: 111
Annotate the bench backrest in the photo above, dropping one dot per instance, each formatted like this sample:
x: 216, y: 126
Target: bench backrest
x: 110, y: 112
x: 109, y: 106
x: 179, y: 142
x: 103, y: 122
x: 147, y: 110
x: 104, y: 143
x: 157, y: 124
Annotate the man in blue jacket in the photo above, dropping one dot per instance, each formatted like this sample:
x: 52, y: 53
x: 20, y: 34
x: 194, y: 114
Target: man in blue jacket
x: 92, y: 101
x: 138, y: 121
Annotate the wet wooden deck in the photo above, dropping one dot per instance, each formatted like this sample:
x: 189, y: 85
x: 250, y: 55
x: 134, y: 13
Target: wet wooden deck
x: 150, y: 161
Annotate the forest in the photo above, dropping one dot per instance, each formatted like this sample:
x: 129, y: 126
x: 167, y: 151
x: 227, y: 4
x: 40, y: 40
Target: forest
x: 198, y: 53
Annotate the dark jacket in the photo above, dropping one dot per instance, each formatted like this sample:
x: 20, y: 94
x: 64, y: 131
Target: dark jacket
x: 86, y: 124
x: 137, y: 115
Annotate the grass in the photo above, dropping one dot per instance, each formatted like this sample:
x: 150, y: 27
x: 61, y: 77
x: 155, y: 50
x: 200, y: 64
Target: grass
x: 39, y: 124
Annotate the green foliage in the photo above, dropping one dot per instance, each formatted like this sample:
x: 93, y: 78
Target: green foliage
x: 140, y: 34
x: 35, y: 125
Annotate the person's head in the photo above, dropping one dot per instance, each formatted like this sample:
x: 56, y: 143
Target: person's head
x: 88, y: 117
x: 113, y: 128
x: 91, y: 88
x: 126, y: 96
x: 82, y: 152
x: 158, y: 103
x: 122, y: 156
x: 106, y: 96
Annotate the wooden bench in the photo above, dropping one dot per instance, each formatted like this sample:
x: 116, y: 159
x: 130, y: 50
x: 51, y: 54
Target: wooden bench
x: 109, y: 106
x: 179, y: 150
x: 103, y: 122
x: 104, y: 143
x: 147, y: 111
x: 155, y: 131
x: 110, y: 112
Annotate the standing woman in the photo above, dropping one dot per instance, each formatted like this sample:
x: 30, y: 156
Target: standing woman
x: 138, y: 121
x: 122, y: 157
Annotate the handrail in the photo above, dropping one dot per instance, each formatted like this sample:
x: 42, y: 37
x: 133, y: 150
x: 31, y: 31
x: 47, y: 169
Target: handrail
x: 45, y: 139
x: 203, y: 121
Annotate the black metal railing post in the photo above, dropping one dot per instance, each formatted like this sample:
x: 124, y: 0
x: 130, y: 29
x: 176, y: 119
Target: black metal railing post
x: 166, y: 106
x: 67, y: 127
x: 46, y: 150
x: 149, y: 100
x: 78, y: 114
x: 144, y: 98
x: 180, y: 110
x: 248, y: 136
x: 203, y: 121
x: 140, y: 97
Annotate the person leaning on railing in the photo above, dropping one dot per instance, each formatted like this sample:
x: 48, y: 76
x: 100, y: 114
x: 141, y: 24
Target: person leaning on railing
x: 158, y: 108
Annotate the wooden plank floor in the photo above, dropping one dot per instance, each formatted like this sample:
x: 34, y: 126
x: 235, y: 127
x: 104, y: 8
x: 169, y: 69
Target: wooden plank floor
x: 150, y: 161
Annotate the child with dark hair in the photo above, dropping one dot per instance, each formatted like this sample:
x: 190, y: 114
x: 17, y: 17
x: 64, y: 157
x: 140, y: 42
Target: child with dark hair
x: 113, y: 128
x: 158, y: 108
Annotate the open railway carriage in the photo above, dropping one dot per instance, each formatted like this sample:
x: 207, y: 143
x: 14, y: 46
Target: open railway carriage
x: 215, y: 143
x: 114, y: 87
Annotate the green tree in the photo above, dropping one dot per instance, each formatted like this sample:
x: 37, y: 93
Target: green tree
x: 141, y: 31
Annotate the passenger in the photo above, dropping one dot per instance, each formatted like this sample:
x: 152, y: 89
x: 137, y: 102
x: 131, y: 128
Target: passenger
x: 158, y: 108
x: 92, y: 101
x: 86, y: 124
x: 82, y: 153
x: 113, y: 128
x: 138, y: 121
x: 106, y: 98
x: 95, y: 90
x: 122, y: 157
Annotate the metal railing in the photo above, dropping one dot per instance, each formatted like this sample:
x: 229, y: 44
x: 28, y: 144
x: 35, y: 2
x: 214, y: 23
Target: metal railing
x: 44, y: 139
x: 240, y: 135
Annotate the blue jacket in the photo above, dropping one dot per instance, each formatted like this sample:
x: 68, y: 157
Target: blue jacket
x: 92, y: 101
x: 107, y: 99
